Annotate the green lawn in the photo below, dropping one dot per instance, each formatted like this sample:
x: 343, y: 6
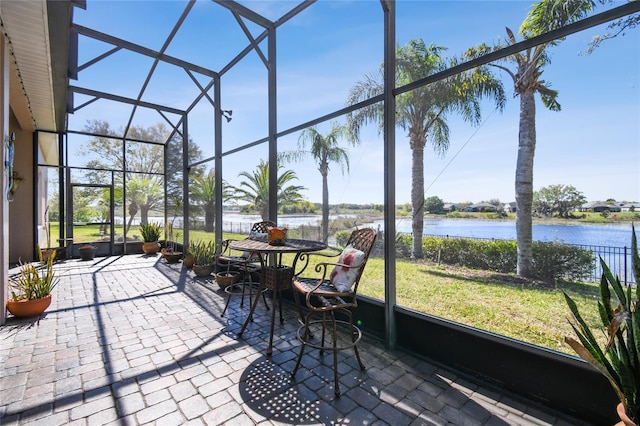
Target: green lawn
x: 527, y: 312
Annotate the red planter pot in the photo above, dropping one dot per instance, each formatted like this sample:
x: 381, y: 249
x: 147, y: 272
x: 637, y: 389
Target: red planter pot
x: 28, y: 308
x: 151, y: 247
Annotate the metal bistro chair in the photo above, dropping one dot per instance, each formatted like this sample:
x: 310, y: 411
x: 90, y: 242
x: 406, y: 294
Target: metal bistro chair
x: 247, y: 264
x: 334, y: 293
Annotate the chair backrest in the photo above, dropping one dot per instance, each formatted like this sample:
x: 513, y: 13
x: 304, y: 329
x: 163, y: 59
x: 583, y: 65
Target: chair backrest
x: 363, y: 240
x: 261, y: 227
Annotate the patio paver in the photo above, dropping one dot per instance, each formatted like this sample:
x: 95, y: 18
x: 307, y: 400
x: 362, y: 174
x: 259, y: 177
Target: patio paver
x: 133, y: 340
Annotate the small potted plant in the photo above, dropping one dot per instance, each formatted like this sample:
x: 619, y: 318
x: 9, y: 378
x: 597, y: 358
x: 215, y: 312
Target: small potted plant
x: 170, y: 252
x: 151, y: 236
x: 31, y: 290
x: 204, y: 254
x: 619, y: 359
x: 188, y: 259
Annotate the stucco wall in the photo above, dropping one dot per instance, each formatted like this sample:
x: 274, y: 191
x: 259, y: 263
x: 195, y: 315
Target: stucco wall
x: 21, y: 208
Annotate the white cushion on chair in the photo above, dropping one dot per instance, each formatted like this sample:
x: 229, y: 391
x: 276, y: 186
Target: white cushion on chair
x: 343, y: 278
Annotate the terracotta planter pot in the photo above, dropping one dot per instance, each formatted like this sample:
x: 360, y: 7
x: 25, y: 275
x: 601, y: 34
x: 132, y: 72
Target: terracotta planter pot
x: 87, y: 252
x: 188, y: 261
x: 172, y: 256
x: 203, y: 270
x: 28, y: 308
x: 625, y: 420
x: 151, y: 247
x: 225, y: 279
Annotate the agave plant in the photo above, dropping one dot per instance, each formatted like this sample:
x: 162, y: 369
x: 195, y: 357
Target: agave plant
x: 150, y: 232
x: 34, y: 281
x: 203, y: 252
x: 619, y: 359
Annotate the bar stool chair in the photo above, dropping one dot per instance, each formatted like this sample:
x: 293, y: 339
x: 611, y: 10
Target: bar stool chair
x: 334, y: 293
x: 248, y: 264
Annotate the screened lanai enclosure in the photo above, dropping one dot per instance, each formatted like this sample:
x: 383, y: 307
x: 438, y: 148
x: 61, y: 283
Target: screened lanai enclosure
x: 191, y: 114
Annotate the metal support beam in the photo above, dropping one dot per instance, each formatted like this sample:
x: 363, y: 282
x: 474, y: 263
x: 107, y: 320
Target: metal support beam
x: 389, y: 7
x: 217, y: 164
x: 124, y: 100
x: 88, y: 32
x: 185, y: 182
x: 273, y: 129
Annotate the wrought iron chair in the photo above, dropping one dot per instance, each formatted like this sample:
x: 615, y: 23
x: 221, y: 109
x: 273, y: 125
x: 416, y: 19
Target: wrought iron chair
x: 245, y: 263
x: 331, y: 294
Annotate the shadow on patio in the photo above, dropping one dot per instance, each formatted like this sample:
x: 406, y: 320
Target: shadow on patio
x: 133, y: 340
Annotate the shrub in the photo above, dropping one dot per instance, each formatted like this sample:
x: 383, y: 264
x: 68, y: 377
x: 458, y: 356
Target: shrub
x: 342, y: 237
x: 553, y: 261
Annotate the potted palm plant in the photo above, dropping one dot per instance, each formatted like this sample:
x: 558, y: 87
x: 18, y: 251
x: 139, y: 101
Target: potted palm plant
x: 151, y: 236
x: 204, y: 254
x: 619, y: 358
x: 31, y: 290
x: 171, y: 252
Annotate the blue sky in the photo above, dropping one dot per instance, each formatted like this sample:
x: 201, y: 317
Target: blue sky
x: 593, y: 143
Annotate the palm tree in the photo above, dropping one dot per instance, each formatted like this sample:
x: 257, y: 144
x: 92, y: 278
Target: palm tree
x: 203, y: 193
x: 143, y: 194
x: 546, y: 15
x: 324, y: 149
x: 255, y: 190
x: 424, y: 111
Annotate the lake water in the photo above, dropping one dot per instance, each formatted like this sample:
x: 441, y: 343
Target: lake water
x: 612, y: 235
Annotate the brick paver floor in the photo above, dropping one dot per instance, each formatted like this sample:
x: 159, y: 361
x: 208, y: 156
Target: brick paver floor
x: 133, y: 340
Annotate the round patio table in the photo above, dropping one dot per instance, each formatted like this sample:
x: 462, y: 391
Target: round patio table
x: 274, y: 275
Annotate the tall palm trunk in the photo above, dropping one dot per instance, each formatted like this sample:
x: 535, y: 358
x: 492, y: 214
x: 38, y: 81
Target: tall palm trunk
x: 133, y: 210
x: 417, y: 193
x: 325, y: 206
x: 524, y: 182
x: 144, y: 213
x: 209, y: 217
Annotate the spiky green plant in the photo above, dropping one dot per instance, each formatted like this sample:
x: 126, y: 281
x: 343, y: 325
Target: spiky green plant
x: 34, y: 281
x: 150, y: 232
x: 203, y: 252
x: 619, y: 359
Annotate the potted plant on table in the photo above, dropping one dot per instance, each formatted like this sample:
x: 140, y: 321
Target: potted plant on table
x: 31, y: 290
x: 619, y: 359
x: 204, y: 254
x: 151, y: 236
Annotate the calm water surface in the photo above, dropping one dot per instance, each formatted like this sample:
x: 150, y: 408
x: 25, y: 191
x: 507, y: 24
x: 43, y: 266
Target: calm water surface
x: 612, y: 235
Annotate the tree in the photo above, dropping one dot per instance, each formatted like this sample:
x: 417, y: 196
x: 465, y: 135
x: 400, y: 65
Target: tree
x: 145, y: 167
x: 324, y: 149
x: 560, y: 199
x: 424, y: 111
x: 255, y: 190
x: 434, y: 204
x: 203, y: 193
x: 618, y: 27
x: 546, y: 15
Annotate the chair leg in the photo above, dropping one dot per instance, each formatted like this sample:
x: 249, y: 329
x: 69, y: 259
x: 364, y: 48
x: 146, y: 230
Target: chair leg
x: 353, y: 339
x: 226, y: 305
x: 303, y: 343
x: 324, y: 327
x: 335, y: 355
